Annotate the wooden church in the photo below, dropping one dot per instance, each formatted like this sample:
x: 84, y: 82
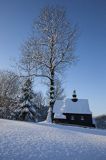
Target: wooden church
x: 73, y: 111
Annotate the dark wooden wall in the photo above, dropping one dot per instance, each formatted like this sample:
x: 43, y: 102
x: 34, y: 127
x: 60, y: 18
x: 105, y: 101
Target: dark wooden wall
x: 87, y: 121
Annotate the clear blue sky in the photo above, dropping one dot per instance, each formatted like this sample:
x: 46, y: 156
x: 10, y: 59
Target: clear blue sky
x: 88, y: 76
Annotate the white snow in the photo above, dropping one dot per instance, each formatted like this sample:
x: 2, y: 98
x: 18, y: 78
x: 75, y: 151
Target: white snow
x: 59, y: 115
x: 68, y: 106
x: 42, y: 141
x: 57, y: 109
x: 58, y: 106
x: 81, y: 106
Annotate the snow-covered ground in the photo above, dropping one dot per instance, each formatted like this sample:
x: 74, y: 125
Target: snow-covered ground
x: 29, y: 141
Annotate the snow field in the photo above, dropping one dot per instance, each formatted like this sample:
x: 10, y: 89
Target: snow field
x: 41, y: 141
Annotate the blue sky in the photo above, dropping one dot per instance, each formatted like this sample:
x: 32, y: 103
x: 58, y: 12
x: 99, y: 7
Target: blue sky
x: 88, y: 76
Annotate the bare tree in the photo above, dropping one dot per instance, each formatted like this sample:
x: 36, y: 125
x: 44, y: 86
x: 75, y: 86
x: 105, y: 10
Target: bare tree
x: 9, y: 83
x: 9, y: 87
x: 50, y: 49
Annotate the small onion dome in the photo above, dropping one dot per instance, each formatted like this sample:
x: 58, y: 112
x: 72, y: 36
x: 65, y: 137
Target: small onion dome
x: 74, y: 96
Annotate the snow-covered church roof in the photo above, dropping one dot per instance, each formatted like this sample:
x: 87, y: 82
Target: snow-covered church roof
x: 80, y: 106
x: 57, y: 109
x: 68, y: 106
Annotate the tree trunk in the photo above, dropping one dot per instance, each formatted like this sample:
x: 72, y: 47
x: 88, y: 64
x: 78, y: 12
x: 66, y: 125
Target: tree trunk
x: 51, y: 102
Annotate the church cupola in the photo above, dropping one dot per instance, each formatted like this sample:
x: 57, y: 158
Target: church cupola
x: 74, y: 96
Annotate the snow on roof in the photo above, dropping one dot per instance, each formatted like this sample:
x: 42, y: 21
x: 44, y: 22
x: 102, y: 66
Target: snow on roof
x: 68, y: 106
x: 58, y: 106
x: 80, y: 107
x: 58, y: 109
x: 59, y: 115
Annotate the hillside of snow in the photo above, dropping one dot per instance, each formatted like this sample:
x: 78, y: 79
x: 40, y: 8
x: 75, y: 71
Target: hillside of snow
x: 41, y: 141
